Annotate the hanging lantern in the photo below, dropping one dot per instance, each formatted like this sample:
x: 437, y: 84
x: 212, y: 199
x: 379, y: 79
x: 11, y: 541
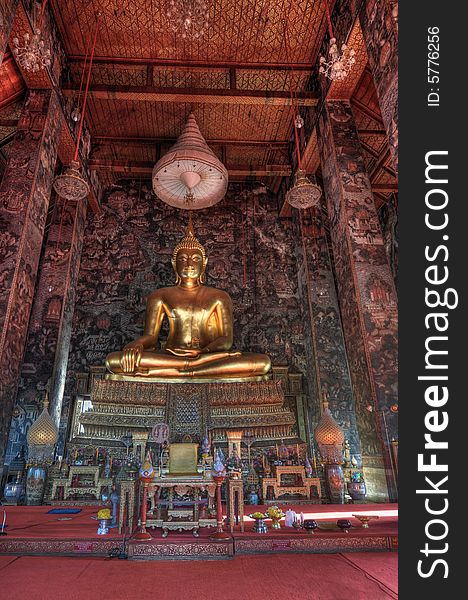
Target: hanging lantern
x: 76, y: 115
x: 188, y: 18
x: 299, y: 122
x: 70, y: 185
x: 303, y: 194
x: 190, y: 176
x: 338, y: 66
x: 31, y: 52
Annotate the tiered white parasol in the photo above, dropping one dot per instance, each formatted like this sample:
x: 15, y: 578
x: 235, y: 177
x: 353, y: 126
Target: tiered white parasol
x: 190, y: 176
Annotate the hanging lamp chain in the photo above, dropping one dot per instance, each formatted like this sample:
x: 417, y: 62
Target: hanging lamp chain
x: 80, y: 130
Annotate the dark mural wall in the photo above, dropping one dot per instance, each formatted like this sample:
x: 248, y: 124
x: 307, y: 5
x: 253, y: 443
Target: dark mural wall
x: 126, y: 255
x: 328, y: 362
x: 388, y: 217
x: 365, y: 282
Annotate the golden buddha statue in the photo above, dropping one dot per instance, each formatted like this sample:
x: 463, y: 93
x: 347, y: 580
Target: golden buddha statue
x: 200, y: 329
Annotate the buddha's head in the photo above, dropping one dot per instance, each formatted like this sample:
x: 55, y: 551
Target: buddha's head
x: 189, y: 258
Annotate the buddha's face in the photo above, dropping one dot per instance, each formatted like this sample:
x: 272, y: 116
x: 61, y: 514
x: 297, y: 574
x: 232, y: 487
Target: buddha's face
x: 189, y: 265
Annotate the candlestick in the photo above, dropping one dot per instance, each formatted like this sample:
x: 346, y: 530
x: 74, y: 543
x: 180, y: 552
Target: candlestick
x: 297, y: 450
x: 3, y: 532
x: 220, y: 534
x: 277, y: 454
x: 143, y: 535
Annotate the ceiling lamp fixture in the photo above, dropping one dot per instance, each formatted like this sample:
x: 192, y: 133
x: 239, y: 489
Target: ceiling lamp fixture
x: 339, y: 65
x: 304, y: 193
x: 190, y: 18
x: 31, y: 52
x: 299, y: 122
x: 70, y: 184
x: 190, y: 176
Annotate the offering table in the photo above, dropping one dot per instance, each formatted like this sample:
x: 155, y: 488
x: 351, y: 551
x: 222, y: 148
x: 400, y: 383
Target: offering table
x: 181, y: 519
x: 302, y: 489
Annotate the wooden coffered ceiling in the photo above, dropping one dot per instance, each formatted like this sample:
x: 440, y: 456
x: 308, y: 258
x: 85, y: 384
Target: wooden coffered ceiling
x: 236, y: 79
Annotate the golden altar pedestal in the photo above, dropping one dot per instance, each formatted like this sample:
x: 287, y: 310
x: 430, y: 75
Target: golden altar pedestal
x: 107, y: 409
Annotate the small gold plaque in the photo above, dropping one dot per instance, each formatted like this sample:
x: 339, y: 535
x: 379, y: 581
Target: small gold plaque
x: 183, y: 458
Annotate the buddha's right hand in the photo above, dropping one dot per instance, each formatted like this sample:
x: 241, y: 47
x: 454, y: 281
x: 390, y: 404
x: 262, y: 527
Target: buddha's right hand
x: 131, y: 357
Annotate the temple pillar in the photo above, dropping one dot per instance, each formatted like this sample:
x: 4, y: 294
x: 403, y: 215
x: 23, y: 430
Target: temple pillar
x: 327, y: 341
x: 49, y: 332
x: 366, y: 289
x: 379, y: 22
x: 7, y: 16
x: 24, y: 200
x: 76, y: 212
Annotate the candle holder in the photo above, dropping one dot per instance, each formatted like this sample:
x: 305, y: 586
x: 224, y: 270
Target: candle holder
x: 220, y: 533
x: 309, y: 525
x: 364, y: 519
x: 2, y: 530
x: 344, y: 524
x: 146, y: 477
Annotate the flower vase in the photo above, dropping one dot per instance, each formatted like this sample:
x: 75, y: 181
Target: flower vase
x: 275, y: 524
x: 253, y: 498
x: 335, y: 480
x: 259, y: 526
x: 103, y: 527
x: 35, y: 485
x: 357, y: 490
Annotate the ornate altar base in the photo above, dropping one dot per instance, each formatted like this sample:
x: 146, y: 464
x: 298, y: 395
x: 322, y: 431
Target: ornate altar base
x: 31, y: 531
x: 107, y: 407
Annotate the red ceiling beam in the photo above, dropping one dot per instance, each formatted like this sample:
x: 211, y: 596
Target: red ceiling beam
x: 372, y: 132
x: 380, y: 164
x: 146, y: 168
x: 384, y: 187
x: 365, y: 110
x: 204, y: 96
x: 9, y: 122
x: 150, y: 141
x: 193, y: 64
x: 11, y: 99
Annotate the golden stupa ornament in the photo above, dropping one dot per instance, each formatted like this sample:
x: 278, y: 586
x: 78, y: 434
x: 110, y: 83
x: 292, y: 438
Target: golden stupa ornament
x: 42, y: 436
x: 190, y: 176
x: 329, y: 437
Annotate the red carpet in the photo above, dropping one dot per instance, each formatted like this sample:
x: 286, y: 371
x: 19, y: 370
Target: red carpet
x: 34, y: 522
x: 284, y: 577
